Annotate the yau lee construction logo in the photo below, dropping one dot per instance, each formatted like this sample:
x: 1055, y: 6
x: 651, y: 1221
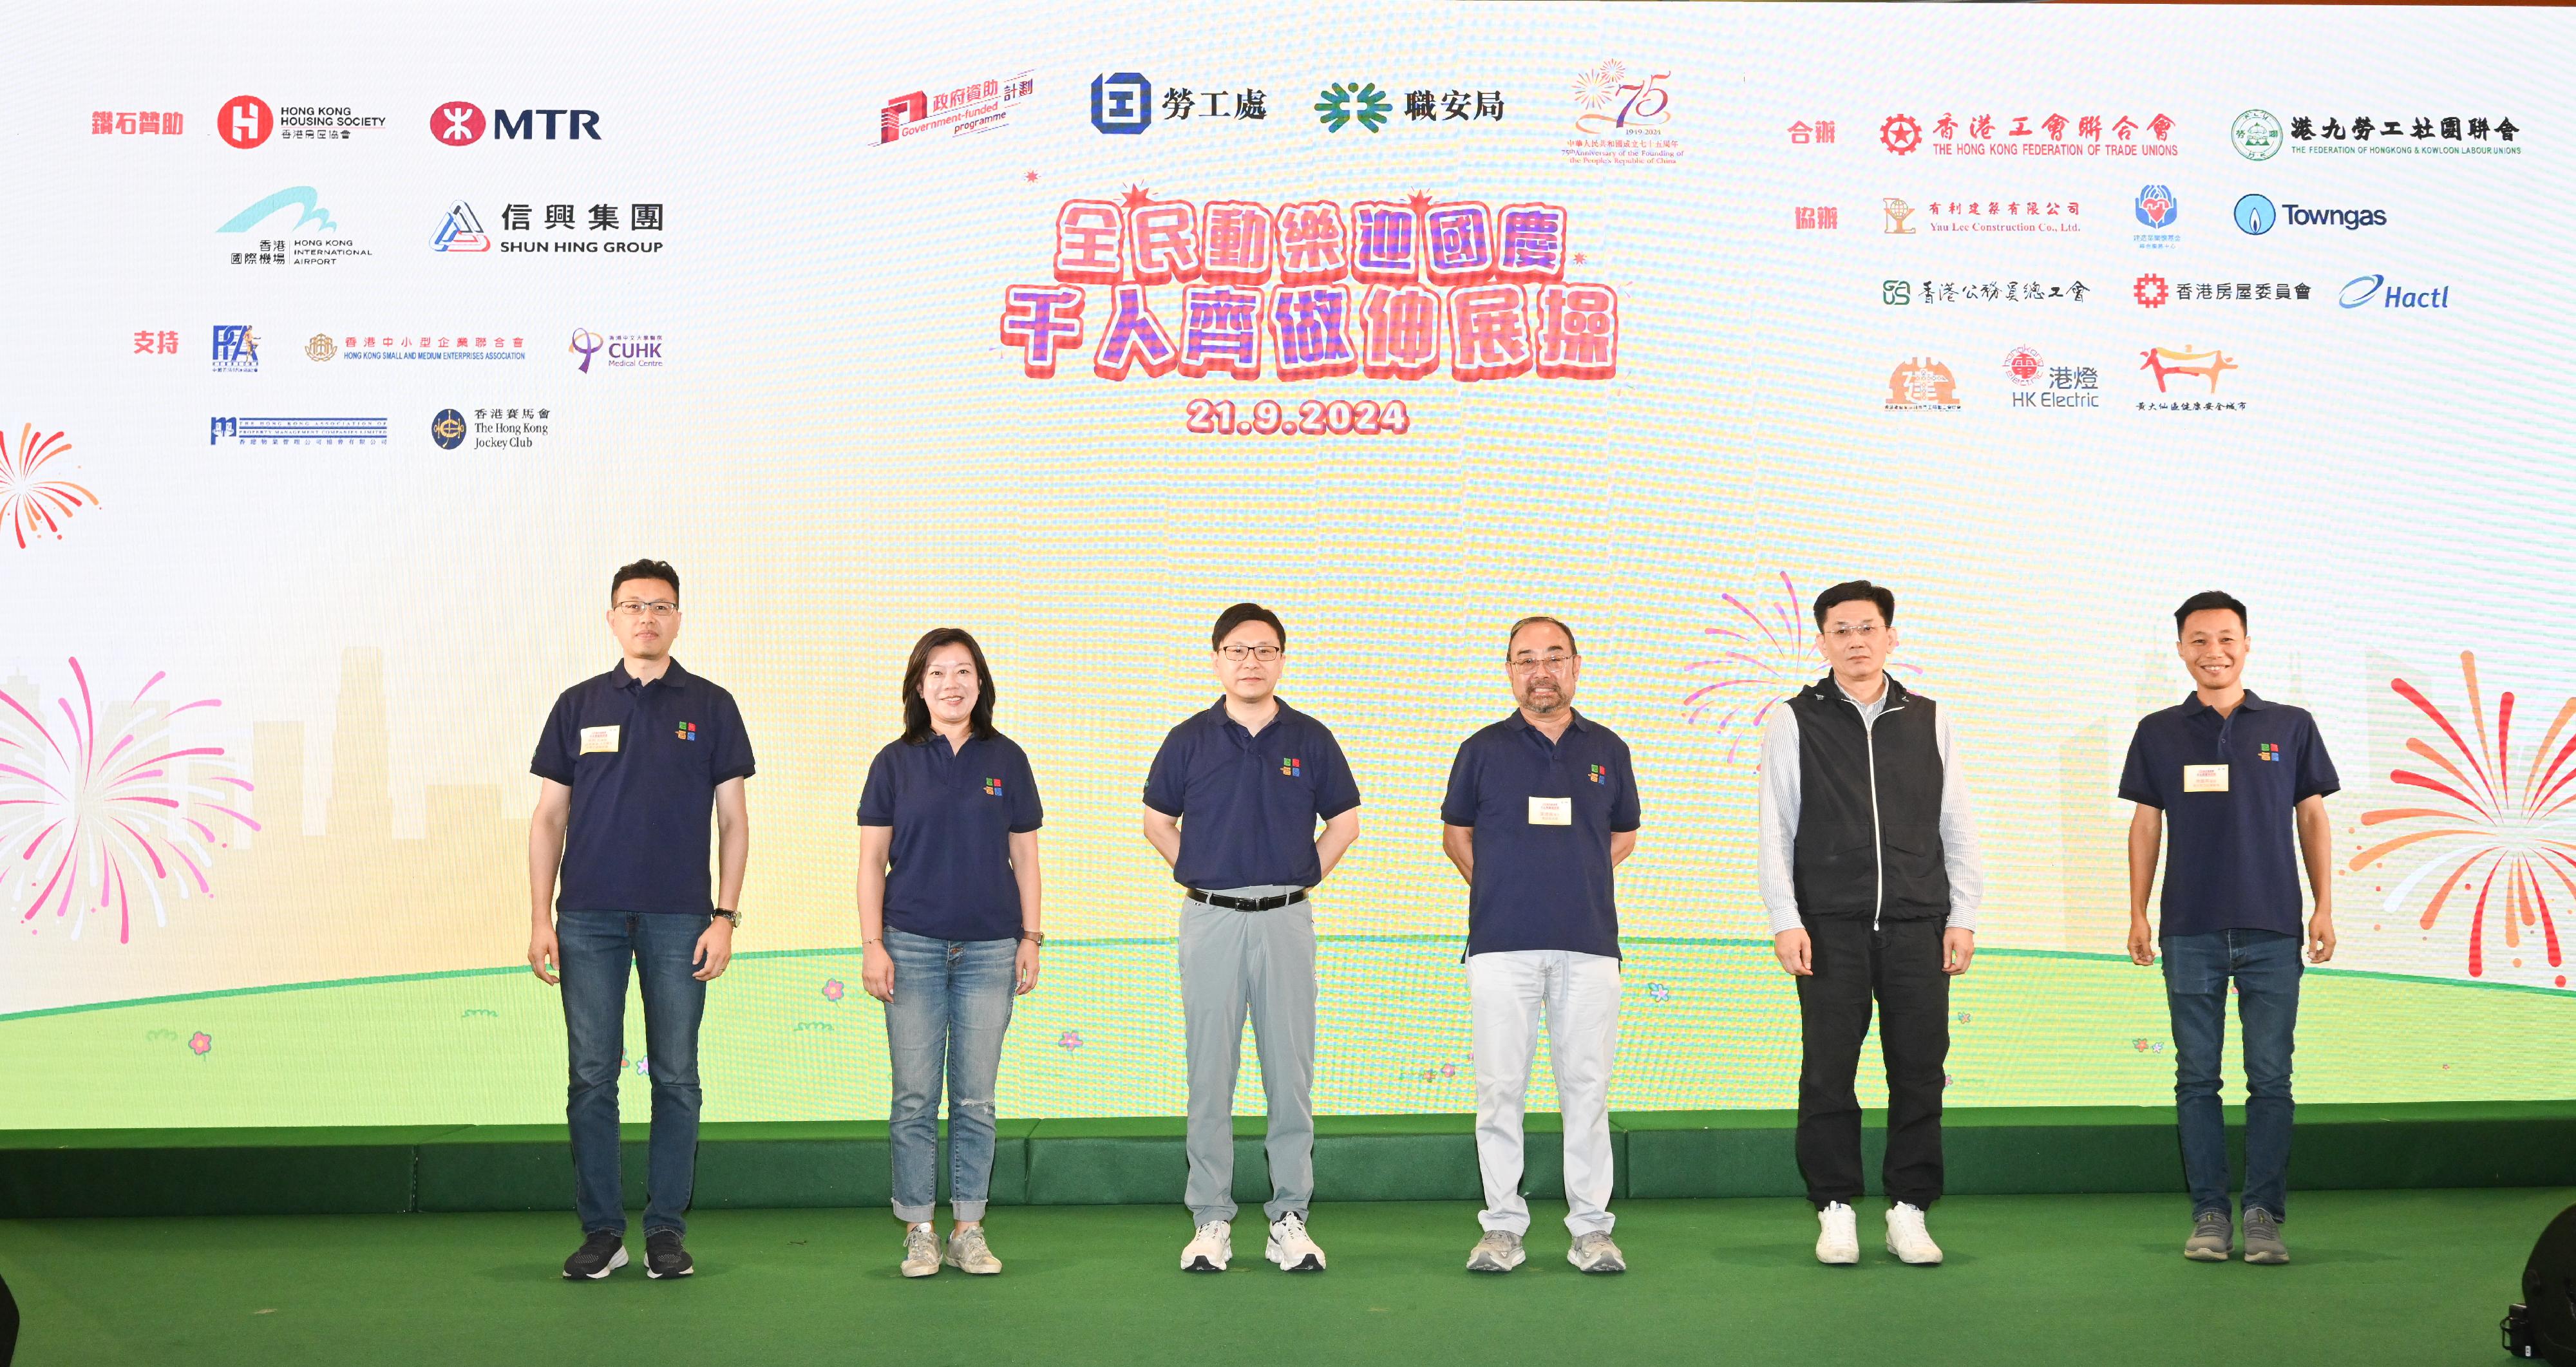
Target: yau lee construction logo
x: 297, y: 431
x: 460, y: 123
x: 1623, y: 117
x: 309, y: 236
x: 975, y: 107
x: 621, y: 350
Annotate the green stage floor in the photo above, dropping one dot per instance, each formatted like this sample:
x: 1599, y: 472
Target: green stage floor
x: 2398, y: 1277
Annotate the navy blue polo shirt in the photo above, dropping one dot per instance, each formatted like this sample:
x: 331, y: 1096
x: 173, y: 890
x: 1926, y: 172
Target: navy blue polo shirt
x: 948, y: 871
x: 643, y: 761
x: 2232, y: 860
x: 1248, y: 804
x: 1541, y: 886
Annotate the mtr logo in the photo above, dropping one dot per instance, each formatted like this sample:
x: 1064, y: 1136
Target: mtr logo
x: 457, y: 122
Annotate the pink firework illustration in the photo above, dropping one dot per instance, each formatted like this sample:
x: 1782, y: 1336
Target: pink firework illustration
x: 1764, y: 654
x: 2495, y: 836
x: 30, y: 500
x: 99, y: 811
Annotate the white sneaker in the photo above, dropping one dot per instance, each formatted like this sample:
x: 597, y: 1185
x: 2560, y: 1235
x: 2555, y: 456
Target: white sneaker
x: 920, y: 1251
x: 1906, y: 1237
x: 967, y: 1252
x: 1838, y: 1235
x: 1210, y: 1249
x: 1291, y: 1246
x: 1499, y: 1251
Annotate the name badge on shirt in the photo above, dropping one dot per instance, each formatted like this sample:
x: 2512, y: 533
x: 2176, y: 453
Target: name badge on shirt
x: 599, y: 740
x: 2204, y: 778
x: 1551, y: 811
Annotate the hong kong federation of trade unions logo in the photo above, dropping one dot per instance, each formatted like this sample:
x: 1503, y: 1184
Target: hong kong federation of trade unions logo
x: 1122, y: 102
x: 447, y: 429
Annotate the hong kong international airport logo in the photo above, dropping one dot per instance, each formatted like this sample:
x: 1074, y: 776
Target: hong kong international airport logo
x: 310, y: 237
x: 1341, y: 104
x: 1122, y: 102
x: 1921, y: 383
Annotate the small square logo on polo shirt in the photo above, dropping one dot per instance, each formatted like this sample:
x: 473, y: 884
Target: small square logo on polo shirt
x: 1597, y: 774
x: 992, y: 787
x: 1291, y: 768
x: 688, y: 731
x: 2268, y: 753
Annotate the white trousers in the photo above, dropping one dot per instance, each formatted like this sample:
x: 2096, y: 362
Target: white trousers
x: 1580, y: 994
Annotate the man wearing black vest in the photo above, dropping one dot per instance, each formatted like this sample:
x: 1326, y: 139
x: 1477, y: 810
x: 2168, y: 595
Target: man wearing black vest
x: 1869, y: 872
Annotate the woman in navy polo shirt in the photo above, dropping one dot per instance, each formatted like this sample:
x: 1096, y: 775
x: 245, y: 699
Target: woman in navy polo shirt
x: 948, y: 920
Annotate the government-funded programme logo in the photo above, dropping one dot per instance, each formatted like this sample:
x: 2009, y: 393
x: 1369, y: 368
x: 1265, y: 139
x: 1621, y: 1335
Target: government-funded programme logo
x: 298, y: 431
x: 2045, y: 135
x: 2166, y: 362
x: 2365, y: 291
x: 454, y: 346
x: 2255, y: 214
x: 2257, y: 135
x: 236, y: 349
x: 166, y: 123
x: 2157, y: 208
x: 1622, y: 116
x: 2039, y: 385
x: 297, y: 248
x: 1919, y: 383
x: 2449, y: 135
x: 1122, y: 103
x: 460, y: 231
x: 320, y: 347
x: 625, y: 350
x: 447, y: 428
x: 245, y: 121
x: 970, y: 108
x: 457, y: 123
x: 2001, y: 215
x: 1341, y: 104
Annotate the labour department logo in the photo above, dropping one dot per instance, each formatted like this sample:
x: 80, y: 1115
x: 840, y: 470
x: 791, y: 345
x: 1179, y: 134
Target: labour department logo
x: 688, y: 731
x: 1122, y: 102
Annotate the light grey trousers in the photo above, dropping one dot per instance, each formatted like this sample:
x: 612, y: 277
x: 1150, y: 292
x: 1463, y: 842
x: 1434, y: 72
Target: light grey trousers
x: 1259, y: 964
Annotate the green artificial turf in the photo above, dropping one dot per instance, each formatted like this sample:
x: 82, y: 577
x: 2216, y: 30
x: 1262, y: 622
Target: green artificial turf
x: 2398, y: 1277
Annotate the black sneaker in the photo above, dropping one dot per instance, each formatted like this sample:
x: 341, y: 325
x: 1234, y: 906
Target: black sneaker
x: 600, y: 1254
x: 663, y: 1256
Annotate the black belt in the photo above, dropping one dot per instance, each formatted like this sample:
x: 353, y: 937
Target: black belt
x: 1248, y: 903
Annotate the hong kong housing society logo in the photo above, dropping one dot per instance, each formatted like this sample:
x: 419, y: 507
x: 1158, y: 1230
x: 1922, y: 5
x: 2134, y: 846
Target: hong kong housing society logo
x: 447, y: 429
x: 1339, y: 105
x: 2255, y: 214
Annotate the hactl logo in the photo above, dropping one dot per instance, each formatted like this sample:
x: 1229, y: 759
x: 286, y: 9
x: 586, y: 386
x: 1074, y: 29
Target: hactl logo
x: 2362, y: 289
x: 458, y: 122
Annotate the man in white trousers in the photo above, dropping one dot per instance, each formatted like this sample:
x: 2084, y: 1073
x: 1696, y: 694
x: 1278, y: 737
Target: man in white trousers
x: 1542, y: 806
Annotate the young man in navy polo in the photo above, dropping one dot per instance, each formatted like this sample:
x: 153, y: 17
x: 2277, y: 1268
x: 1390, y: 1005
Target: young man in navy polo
x: 1869, y: 870
x: 1232, y: 804
x: 2232, y: 776
x: 1542, y: 805
x: 631, y: 764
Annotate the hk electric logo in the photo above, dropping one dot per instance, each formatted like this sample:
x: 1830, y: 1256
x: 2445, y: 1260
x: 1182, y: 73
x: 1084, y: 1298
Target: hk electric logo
x: 458, y: 123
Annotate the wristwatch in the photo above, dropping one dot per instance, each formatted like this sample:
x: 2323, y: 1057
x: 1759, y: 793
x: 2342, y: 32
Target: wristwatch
x: 1035, y: 937
x: 734, y: 916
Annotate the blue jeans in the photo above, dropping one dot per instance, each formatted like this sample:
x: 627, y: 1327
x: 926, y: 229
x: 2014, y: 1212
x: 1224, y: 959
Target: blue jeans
x: 593, y: 949
x: 952, y: 1001
x: 2265, y: 967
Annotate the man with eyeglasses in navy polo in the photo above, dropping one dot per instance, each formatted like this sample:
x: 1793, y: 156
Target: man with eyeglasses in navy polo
x: 1542, y: 805
x: 1232, y: 803
x: 630, y: 765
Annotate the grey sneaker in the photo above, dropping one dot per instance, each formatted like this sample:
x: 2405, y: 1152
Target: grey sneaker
x: 2263, y: 1237
x: 2213, y: 1237
x: 1594, y: 1252
x: 967, y: 1252
x: 1498, y: 1251
x: 920, y: 1251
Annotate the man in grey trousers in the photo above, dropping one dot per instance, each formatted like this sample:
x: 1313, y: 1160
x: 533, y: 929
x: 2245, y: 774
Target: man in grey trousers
x: 1232, y: 804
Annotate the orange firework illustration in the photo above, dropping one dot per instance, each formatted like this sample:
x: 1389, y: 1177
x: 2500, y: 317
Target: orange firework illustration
x: 29, y: 501
x: 2497, y: 836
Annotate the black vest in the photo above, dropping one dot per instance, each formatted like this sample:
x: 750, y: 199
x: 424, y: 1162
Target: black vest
x: 1869, y: 809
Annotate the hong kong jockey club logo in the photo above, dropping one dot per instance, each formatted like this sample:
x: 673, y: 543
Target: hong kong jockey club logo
x: 2156, y: 207
x: 1291, y: 768
x: 1900, y: 134
x: 447, y: 428
x: 688, y: 731
x: 2150, y: 291
x: 1921, y: 383
x: 992, y: 787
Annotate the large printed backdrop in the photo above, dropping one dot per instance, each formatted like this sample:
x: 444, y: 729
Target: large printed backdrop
x: 351, y: 350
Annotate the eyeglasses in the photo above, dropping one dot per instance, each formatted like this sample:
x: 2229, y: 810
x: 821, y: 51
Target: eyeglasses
x: 1554, y: 659
x: 657, y: 608
x: 1264, y: 653
x: 1864, y: 631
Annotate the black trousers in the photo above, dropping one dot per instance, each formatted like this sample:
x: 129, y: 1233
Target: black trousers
x: 1898, y: 964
